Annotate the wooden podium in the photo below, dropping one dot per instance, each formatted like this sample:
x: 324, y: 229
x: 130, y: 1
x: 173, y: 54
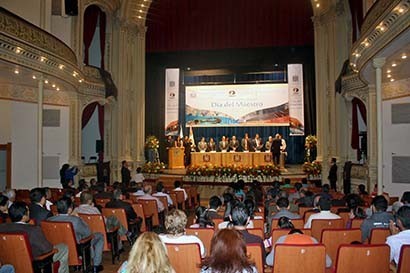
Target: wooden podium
x: 176, y: 158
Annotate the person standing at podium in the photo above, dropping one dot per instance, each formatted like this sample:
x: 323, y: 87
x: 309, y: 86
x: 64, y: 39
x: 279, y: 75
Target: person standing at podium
x: 211, y: 145
x: 179, y: 142
x: 233, y: 144
x: 257, y: 143
x: 202, y: 145
x: 187, y: 144
x: 224, y: 144
x: 246, y: 143
x: 275, y: 148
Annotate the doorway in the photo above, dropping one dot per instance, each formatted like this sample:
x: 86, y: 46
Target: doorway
x: 5, y: 166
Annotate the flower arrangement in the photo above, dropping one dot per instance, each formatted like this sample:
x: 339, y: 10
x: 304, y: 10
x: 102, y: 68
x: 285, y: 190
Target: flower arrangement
x: 311, y: 141
x: 153, y: 167
x: 233, y: 170
x: 312, y: 168
x: 152, y: 142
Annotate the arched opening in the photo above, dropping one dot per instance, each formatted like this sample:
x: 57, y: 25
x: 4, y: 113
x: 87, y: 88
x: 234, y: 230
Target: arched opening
x: 94, y: 36
x: 92, y: 133
x: 359, y: 129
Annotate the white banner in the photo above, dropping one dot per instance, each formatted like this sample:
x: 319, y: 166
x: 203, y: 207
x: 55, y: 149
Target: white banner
x: 171, y: 101
x: 237, y: 105
x: 296, y: 105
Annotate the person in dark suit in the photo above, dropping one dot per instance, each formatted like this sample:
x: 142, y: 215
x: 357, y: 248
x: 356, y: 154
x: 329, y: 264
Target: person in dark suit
x: 125, y: 173
x: 65, y: 214
x: 117, y: 203
x: 246, y: 144
x: 19, y: 215
x: 275, y: 149
x: 38, y: 212
x: 215, y: 204
x: 333, y: 174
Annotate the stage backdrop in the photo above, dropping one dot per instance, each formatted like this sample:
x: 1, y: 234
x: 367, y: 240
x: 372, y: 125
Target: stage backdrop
x: 237, y: 105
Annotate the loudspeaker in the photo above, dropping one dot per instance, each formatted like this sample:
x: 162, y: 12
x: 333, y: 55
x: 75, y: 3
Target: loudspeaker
x: 71, y: 7
x: 99, y: 146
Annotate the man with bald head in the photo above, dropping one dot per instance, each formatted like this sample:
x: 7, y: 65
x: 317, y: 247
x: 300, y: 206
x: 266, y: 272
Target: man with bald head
x: 148, y: 196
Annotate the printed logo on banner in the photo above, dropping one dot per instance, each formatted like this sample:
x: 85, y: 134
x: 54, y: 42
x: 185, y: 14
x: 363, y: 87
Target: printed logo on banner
x: 171, y: 101
x: 237, y: 158
x: 296, y: 105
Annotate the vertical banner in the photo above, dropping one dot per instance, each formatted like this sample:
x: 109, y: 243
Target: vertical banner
x: 171, y: 101
x: 296, y: 105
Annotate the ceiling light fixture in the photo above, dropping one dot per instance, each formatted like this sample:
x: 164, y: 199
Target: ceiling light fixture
x: 388, y: 76
x: 404, y: 56
x: 394, y: 64
x: 18, y: 50
x: 58, y: 89
x: 16, y: 71
x: 46, y: 81
x: 392, y: 80
x: 388, y: 71
x: 317, y: 5
x: 61, y: 66
x: 53, y: 85
x: 34, y: 77
x: 42, y: 59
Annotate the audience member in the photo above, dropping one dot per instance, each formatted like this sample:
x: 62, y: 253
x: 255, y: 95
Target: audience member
x: 228, y: 254
x: 405, y: 199
x: 4, y: 214
x: 379, y: 219
x: 202, y: 219
x: 306, y: 198
x: 295, y: 237
x: 65, y: 214
x: 139, y: 177
x: 325, y: 192
x: 356, y: 212
x: 6, y: 268
x: 215, y: 204
x: 296, y: 195
x: 82, y: 187
x: 324, y: 205
x: 401, y: 233
x: 38, y: 212
x: 238, y: 190
x: 161, y: 192
x: 125, y: 173
x: 137, y: 189
x: 48, y: 196
x: 11, y: 195
x: 362, y: 190
x: 283, y: 210
x: 229, y: 202
x: 255, y: 192
x: 148, y: 255
x: 178, y: 187
x: 175, y: 223
x: 148, y: 196
x: 19, y: 215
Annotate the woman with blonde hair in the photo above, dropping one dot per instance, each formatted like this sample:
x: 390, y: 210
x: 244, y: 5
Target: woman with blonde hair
x: 148, y: 255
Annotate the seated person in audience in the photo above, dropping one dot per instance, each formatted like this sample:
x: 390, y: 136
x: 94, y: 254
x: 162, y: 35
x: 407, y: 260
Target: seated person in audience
x: 361, y: 189
x: 255, y: 192
x: 161, y: 192
x: 233, y: 144
x: 296, y: 195
x: 65, y: 209
x: 178, y: 187
x: 405, y: 199
x: 102, y: 193
x: 295, y: 237
x: 324, y: 207
x: 47, y: 192
x: 356, y: 212
x: 6, y: 268
x: 148, y: 255
x: 139, y: 177
x: 19, y: 215
x: 202, y: 219
x: 82, y: 187
x: 250, y: 204
x: 240, y: 220
x: 283, y: 223
x: 379, y: 219
x: 228, y: 254
x: 229, y: 203
x: 175, y: 223
x: 283, y: 210
x: 4, y: 211
x: 215, y: 204
x: 325, y: 192
x: 148, y: 196
x: 11, y: 195
x: 306, y: 198
x: 118, y: 203
x: 238, y: 190
x: 401, y: 233
x: 38, y: 212
x: 223, y: 144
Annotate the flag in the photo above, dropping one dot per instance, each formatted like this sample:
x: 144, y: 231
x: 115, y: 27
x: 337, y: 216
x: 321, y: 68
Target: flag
x: 181, y: 133
x: 191, y: 135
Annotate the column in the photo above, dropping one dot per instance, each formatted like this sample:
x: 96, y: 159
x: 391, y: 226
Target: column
x: 75, y: 129
x: 372, y: 136
x: 40, y: 131
x: 378, y: 64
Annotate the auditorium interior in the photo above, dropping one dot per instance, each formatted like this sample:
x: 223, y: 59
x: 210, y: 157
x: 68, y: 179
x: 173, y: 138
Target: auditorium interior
x: 122, y: 89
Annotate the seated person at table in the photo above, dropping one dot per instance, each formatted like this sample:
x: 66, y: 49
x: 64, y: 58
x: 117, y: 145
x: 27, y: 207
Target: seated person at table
x: 19, y: 215
x: 268, y: 144
x: 233, y: 144
x: 211, y: 145
x: 202, y: 219
x: 38, y: 212
x: 224, y: 144
x: 246, y: 143
x: 215, y: 204
x: 202, y: 145
x: 257, y: 143
x: 65, y: 214
x: 175, y: 223
x: 295, y: 237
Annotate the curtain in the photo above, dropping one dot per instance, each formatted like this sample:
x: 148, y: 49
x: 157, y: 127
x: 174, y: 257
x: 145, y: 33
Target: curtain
x: 102, y: 37
x: 101, y: 120
x: 356, y: 10
x: 357, y: 104
x: 90, y: 23
x: 88, y: 113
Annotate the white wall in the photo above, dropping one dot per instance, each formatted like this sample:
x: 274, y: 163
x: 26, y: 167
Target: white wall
x: 27, y: 9
x: 395, y: 142
x: 22, y: 118
x: 61, y: 28
x: 89, y: 135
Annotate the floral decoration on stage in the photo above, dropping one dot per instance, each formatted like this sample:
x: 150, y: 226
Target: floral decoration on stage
x: 310, y: 148
x: 312, y: 168
x: 152, y: 142
x: 231, y: 171
x: 153, y: 167
x: 151, y: 148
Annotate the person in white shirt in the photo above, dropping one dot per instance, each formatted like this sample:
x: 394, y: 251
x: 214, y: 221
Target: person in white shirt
x: 139, y: 191
x: 324, y: 206
x: 160, y: 192
x: 11, y: 195
x: 401, y: 233
x: 139, y: 177
x: 175, y: 223
x: 177, y: 187
x: 48, y: 197
x: 148, y: 196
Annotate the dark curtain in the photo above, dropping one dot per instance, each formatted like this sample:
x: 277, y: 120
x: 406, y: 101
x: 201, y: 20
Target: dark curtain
x: 357, y: 104
x: 102, y: 37
x: 101, y: 120
x: 179, y: 25
x: 90, y: 23
x: 88, y: 113
x: 356, y: 10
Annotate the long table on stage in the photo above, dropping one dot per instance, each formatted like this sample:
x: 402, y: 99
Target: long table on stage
x: 231, y: 158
